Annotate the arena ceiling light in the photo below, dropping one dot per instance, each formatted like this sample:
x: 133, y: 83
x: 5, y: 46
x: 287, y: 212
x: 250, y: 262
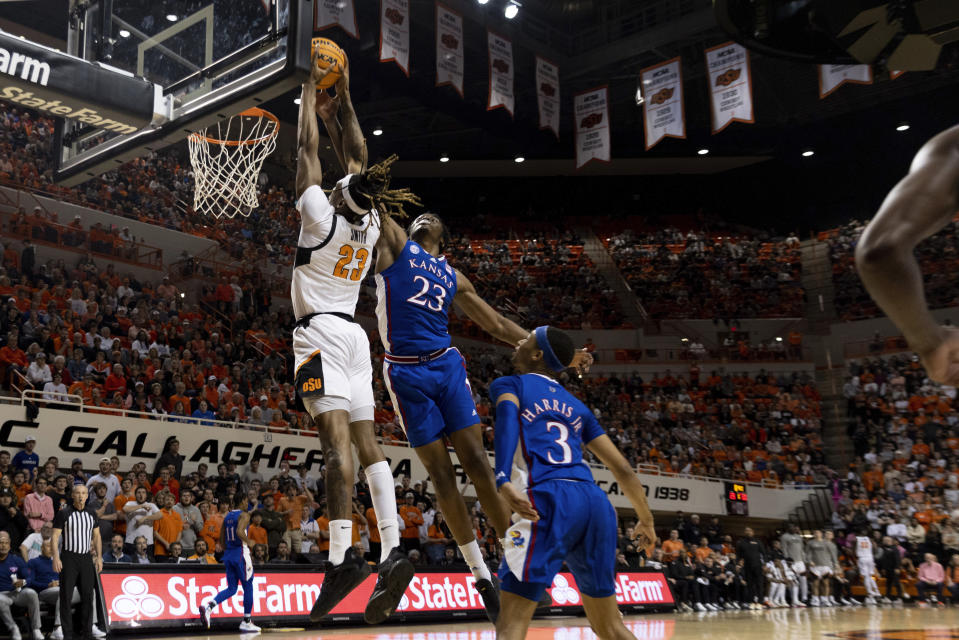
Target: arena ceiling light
x: 903, y: 126
x: 512, y: 9
x: 482, y: 1
x: 378, y: 131
x: 171, y: 17
x: 124, y: 33
x: 296, y: 101
x: 445, y: 157
x: 703, y: 152
x: 808, y: 153
x: 519, y: 159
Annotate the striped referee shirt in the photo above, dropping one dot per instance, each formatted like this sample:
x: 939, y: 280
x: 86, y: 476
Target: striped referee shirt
x: 77, y: 527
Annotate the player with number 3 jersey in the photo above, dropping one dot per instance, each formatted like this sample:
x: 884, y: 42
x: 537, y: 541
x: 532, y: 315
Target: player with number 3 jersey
x: 563, y: 516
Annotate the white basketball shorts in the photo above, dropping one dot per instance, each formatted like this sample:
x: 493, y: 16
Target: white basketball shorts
x: 332, y: 367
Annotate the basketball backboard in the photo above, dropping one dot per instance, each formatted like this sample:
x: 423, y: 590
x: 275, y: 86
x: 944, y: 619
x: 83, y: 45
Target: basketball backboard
x: 207, y: 59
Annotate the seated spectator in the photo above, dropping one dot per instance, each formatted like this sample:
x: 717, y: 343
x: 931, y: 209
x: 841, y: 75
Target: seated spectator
x: 201, y: 553
x: 282, y: 555
x: 932, y: 577
x: 13, y: 590
x: 115, y: 553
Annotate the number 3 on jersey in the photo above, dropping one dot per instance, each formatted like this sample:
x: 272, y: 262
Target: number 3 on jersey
x: 561, y: 441
x: 433, y: 303
x: 347, y: 253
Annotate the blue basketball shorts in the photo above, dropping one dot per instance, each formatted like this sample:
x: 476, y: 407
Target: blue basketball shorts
x: 432, y: 399
x: 577, y: 525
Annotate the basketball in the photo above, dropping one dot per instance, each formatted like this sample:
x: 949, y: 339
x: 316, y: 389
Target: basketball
x: 329, y: 54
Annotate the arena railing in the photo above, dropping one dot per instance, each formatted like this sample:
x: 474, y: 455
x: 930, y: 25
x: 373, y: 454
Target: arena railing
x: 71, y: 402
x: 78, y: 240
x: 685, y: 356
x: 869, y: 348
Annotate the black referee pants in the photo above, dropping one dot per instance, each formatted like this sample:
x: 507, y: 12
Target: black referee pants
x: 78, y: 571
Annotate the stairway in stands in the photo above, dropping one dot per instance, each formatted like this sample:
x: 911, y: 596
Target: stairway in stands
x: 820, y: 313
x: 597, y: 252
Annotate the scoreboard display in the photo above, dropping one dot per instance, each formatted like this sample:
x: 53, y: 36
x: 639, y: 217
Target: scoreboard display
x: 737, y: 499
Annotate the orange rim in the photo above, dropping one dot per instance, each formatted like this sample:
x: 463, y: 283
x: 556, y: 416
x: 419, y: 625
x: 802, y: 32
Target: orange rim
x: 251, y: 112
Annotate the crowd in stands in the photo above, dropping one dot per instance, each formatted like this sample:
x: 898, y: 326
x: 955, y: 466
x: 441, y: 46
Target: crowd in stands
x: 937, y: 257
x: 704, y: 275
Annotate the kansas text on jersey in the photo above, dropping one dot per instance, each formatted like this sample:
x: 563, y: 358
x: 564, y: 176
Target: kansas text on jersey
x: 413, y: 297
x: 332, y: 256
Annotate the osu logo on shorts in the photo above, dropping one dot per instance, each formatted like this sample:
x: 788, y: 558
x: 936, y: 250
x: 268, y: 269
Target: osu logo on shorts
x: 135, y: 601
x: 517, y: 539
x: 313, y: 384
x: 661, y: 96
x: 728, y: 77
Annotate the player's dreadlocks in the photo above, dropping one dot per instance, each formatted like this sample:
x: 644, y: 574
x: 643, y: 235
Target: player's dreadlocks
x: 375, y: 185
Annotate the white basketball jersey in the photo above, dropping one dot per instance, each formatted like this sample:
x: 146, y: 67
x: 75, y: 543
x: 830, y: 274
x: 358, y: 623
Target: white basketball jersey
x: 863, y: 548
x: 332, y: 257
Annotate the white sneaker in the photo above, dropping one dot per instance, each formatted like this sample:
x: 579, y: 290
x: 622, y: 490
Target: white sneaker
x: 57, y: 634
x: 15, y: 633
x: 814, y: 601
x: 37, y: 634
x: 205, y: 614
x: 870, y: 600
x: 97, y: 632
x: 249, y: 627
x: 699, y: 606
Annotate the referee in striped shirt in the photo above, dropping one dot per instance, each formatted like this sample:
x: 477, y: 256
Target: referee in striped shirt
x: 78, y: 525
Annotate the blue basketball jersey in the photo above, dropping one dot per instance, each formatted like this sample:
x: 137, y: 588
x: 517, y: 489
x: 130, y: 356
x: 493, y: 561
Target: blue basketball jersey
x: 231, y: 537
x: 413, y: 297
x: 544, y: 441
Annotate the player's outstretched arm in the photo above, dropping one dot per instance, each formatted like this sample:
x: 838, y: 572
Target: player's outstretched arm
x: 308, y: 169
x: 352, y: 141
x: 479, y: 311
x: 920, y: 205
x: 628, y: 481
x: 505, y: 441
x: 390, y: 244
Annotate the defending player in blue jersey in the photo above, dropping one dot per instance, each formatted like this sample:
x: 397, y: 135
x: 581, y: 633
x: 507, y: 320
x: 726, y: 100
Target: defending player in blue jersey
x: 426, y: 378
x: 563, y: 516
x: 237, y: 562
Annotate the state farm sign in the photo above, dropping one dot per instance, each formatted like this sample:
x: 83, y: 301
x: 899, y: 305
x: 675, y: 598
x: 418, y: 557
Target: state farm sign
x: 171, y: 596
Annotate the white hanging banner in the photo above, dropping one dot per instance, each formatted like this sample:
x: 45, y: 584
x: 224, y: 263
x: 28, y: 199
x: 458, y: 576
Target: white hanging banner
x: 663, y: 112
x: 547, y: 94
x: 395, y: 33
x: 730, y: 85
x: 449, y: 48
x: 500, y: 73
x: 336, y: 13
x: 591, y: 111
x: 833, y: 76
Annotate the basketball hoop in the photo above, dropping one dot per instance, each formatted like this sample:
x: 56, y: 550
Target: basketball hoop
x: 227, y: 160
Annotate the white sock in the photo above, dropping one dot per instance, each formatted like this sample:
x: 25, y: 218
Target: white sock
x: 341, y: 538
x: 474, y: 560
x: 383, y: 495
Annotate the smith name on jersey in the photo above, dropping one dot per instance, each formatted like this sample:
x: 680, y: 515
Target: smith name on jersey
x: 413, y: 297
x: 332, y: 256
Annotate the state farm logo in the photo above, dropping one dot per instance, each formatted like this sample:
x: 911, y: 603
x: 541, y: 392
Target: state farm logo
x: 563, y: 593
x: 135, y: 600
x: 644, y: 589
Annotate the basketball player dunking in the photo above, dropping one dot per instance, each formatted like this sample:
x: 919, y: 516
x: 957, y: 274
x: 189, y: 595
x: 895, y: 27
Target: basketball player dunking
x: 426, y: 379
x: 921, y: 204
x: 332, y: 353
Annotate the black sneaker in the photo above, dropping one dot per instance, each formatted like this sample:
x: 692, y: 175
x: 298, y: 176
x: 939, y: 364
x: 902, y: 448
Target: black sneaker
x: 489, y: 591
x: 394, y: 576
x: 338, y: 582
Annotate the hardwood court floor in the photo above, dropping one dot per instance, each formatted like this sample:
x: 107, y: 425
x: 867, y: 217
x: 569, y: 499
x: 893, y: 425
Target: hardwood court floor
x: 779, y: 624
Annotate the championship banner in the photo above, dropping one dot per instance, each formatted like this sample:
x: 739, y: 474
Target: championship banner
x: 547, y: 94
x: 591, y: 111
x: 500, y: 73
x: 833, y: 76
x: 168, y: 596
x: 730, y: 85
x: 395, y: 33
x: 336, y: 13
x: 449, y: 48
x: 663, y: 114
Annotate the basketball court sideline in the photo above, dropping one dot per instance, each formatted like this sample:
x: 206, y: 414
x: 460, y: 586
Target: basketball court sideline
x: 792, y: 624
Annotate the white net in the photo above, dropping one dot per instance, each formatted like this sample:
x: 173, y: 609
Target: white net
x: 227, y: 159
